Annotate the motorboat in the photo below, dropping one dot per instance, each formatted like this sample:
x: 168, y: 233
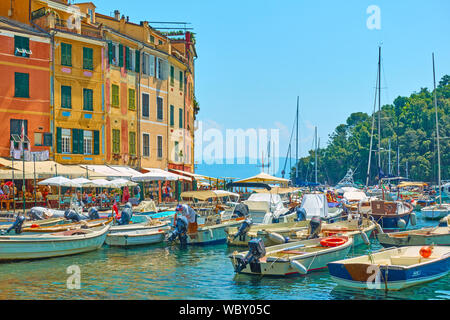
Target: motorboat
x: 316, y: 204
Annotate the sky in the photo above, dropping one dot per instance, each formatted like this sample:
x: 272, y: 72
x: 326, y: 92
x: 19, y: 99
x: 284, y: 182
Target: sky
x: 256, y: 57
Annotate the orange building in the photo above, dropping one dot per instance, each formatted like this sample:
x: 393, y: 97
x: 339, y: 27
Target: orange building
x: 24, y: 88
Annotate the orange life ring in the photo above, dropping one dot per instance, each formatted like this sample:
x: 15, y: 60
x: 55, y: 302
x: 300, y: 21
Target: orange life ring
x: 333, y: 241
x: 426, y: 251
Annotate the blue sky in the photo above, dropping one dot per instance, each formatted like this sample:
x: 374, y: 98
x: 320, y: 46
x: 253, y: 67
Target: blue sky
x: 255, y: 57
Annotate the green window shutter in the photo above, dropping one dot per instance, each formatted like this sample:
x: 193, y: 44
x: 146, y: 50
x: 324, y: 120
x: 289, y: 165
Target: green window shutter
x: 180, y: 115
x: 172, y: 71
x: 88, y: 100
x: 21, y: 43
x: 138, y: 60
x: 66, y: 97
x: 66, y: 54
x: 120, y: 55
x: 127, y: 58
x: 110, y: 51
x: 132, y: 140
x: 172, y: 116
x: 181, y: 80
x: 87, y: 58
x: 80, y: 141
x: 75, y: 141
x: 58, y: 140
x: 21, y: 85
x: 115, y: 95
x: 131, y: 99
x: 96, y: 142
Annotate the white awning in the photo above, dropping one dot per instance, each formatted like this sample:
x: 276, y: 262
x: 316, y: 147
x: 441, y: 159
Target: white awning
x: 103, y: 171
x: 189, y: 174
x: 163, y: 173
x: 125, y: 170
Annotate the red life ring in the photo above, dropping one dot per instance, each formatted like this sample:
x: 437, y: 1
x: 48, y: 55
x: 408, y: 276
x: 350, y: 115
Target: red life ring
x: 333, y: 241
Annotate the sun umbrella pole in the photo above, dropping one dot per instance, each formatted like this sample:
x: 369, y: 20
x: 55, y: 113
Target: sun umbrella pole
x: 34, y: 171
x: 13, y: 187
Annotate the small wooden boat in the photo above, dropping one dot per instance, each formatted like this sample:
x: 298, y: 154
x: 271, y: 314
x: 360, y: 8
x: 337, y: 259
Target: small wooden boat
x: 291, y: 258
x: 142, y: 226
x: 28, y: 224
x: 68, y: 226
x: 392, y: 269
x: 439, y: 235
x: 136, y: 237
x: 46, y: 245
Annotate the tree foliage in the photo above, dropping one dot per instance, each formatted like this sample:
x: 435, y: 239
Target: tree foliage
x: 410, y: 121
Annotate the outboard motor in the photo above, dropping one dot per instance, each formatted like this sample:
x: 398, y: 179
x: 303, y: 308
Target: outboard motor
x: 93, y: 213
x: 17, y: 225
x: 443, y: 222
x: 315, y: 226
x: 301, y: 214
x: 256, y: 250
x: 243, y: 229
x: 180, y: 231
x: 70, y: 214
x: 241, y: 210
x: 126, y: 215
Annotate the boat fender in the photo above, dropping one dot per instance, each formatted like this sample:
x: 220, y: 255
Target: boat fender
x: 276, y: 237
x: 413, y: 218
x: 426, y: 251
x: 17, y: 225
x: 365, y: 238
x: 299, y: 267
x: 401, y: 224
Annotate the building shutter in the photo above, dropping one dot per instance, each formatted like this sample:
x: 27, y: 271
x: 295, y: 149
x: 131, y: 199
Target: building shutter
x: 127, y: 58
x: 120, y: 55
x: 152, y: 65
x: 138, y: 56
x: 110, y: 51
x: 96, y: 142
x: 58, y: 140
x: 75, y: 141
x: 80, y: 141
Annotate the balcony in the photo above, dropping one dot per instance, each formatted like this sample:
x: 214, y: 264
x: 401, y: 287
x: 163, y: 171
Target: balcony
x: 49, y: 22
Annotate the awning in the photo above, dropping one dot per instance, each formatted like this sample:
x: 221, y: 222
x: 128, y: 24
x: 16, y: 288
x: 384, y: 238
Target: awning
x: 264, y: 177
x: 207, y: 194
x: 278, y: 190
x: 126, y: 170
x: 189, y: 174
x: 169, y: 175
x: 412, y: 184
x: 45, y: 168
x: 103, y: 171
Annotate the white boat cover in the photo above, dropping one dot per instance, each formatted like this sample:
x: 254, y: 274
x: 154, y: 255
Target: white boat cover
x: 315, y: 205
x: 274, y: 200
x: 355, y: 196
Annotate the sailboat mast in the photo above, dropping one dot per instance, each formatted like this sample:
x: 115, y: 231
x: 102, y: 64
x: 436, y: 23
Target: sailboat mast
x: 315, y: 153
x: 296, y: 145
x: 389, y: 172
x: 371, y: 132
x: 379, y: 108
x: 437, y: 135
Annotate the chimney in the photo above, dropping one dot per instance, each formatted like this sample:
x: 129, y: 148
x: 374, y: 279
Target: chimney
x: 128, y: 18
x: 116, y: 14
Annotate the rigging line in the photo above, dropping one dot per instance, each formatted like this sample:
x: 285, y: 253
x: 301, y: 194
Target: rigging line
x: 289, y: 149
x: 384, y: 78
x: 371, y: 134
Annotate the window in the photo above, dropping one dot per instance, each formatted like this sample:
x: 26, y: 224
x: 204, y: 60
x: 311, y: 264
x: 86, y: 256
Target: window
x: 38, y: 139
x: 21, y: 85
x: 88, y: 58
x: 160, y: 42
x: 130, y: 59
x: 159, y: 108
x: 91, y: 15
x: 115, y: 95
x: 131, y: 99
x: 176, y: 151
x: 66, y: 97
x: 145, y: 105
x: 132, y: 142
x: 65, y: 140
x: 181, y: 80
x: 87, y: 142
x: 172, y: 76
x: 152, y: 39
x: 172, y: 115
x: 15, y: 126
x: 187, y: 120
x: 180, y: 117
x: 148, y: 64
x: 160, y: 146
x: 88, y: 104
x: 146, y: 144
x: 113, y: 49
x: 66, y: 54
x: 21, y: 46
x: 161, y: 69
x: 116, y: 140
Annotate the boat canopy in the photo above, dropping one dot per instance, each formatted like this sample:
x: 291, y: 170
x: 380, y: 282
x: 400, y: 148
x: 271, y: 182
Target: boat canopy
x: 315, y: 204
x: 278, y: 190
x: 274, y: 201
x: 207, y: 194
x: 412, y: 184
x: 355, y: 196
x: 264, y: 177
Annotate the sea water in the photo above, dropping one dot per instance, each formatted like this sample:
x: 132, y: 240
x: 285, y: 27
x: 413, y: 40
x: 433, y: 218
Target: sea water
x: 169, y: 272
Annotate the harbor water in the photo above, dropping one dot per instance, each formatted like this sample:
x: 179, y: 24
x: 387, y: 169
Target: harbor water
x: 197, y: 272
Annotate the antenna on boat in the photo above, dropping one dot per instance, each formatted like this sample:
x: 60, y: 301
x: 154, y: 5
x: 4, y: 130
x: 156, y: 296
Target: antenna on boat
x: 296, y: 146
x: 437, y: 135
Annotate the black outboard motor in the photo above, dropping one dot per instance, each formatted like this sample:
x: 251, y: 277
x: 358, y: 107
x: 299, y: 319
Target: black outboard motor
x: 256, y: 250
x: 243, y: 229
x: 93, y: 213
x: 70, y: 214
x: 241, y: 210
x: 180, y: 231
x: 17, y: 225
x: 315, y: 226
x: 301, y: 214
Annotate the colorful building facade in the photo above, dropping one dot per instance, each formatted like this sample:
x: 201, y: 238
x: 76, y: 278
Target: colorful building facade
x: 24, y: 89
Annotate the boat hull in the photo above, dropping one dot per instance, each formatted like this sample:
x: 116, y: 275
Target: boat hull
x: 25, y: 247
x: 402, y: 239
x: 128, y: 239
x: 435, y: 214
x: 212, y: 234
